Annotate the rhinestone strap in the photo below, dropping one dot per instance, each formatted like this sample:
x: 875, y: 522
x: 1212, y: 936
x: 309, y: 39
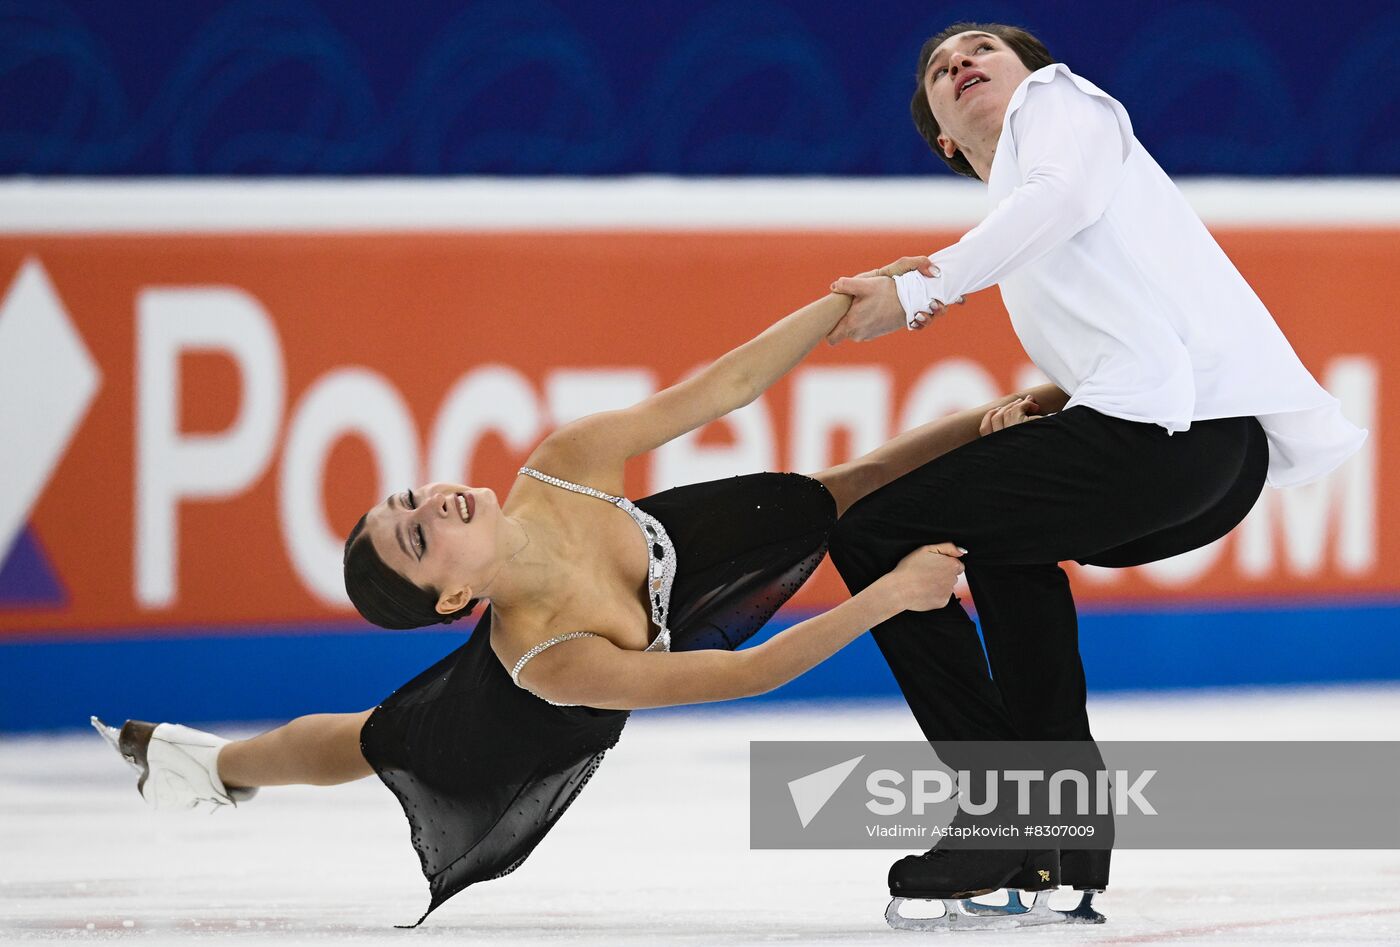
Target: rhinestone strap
x: 661, y: 570
x: 661, y: 553
x: 525, y: 658
x: 571, y: 486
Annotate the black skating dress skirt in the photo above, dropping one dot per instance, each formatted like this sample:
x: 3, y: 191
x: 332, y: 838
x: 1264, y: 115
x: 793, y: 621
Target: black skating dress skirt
x: 483, y: 769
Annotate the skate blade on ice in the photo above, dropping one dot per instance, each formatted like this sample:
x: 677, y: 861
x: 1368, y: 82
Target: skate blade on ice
x: 108, y: 733
x: 966, y: 915
x: 1082, y: 913
x: 113, y: 737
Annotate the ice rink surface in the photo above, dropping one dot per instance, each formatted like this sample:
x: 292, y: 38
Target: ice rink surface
x: 654, y: 852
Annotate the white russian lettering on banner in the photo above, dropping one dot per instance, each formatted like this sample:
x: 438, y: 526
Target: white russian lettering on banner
x: 492, y: 399
x: 1028, y: 376
x: 953, y: 384
x: 346, y: 402
x: 827, y: 400
x: 172, y: 467
x: 1337, y: 512
x: 574, y: 393
x: 685, y: 460
x: 1185, y: 568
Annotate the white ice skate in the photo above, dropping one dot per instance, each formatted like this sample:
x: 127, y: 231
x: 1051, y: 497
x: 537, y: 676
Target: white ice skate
x: 178, y: 765
x: 965, y: 914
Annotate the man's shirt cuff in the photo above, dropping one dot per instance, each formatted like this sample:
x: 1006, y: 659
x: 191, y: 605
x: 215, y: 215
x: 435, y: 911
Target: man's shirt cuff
x: 917, y: 293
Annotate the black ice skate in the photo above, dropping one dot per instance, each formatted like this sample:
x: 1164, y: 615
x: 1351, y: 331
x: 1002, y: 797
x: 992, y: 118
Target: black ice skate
x: 955, y: 876
x: 177, y: 765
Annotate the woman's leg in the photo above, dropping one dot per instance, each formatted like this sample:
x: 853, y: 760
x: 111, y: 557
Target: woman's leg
x: 856, y: 479
x: 315, y: 750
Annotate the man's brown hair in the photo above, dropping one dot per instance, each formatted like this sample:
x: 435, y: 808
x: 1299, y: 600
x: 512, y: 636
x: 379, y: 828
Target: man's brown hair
x: 1028, y: 49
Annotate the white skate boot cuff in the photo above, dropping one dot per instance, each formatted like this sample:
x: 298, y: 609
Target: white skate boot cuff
x: 184, y: 770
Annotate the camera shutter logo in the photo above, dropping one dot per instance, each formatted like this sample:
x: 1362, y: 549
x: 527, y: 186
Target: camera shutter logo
x: 812, y: 792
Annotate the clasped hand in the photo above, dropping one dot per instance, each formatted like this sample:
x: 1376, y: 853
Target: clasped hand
x: 875, y: 306
x: 924, y: 579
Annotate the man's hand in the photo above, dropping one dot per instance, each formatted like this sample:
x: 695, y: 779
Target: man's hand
x: 875, y: 307
x: 903, y: 265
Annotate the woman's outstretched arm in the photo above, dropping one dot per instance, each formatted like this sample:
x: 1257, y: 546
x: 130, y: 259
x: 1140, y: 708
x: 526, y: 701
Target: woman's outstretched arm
x: 596, y: 673
x: 597, y: 443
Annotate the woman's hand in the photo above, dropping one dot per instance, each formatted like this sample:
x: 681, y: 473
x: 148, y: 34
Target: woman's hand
x: 901, y: 266
x: 1022, y: 409
x: 875, y: 309
x: 924, y: 579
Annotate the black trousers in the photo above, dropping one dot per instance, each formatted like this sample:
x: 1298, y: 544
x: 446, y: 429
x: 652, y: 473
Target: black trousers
x: 1078, y: 485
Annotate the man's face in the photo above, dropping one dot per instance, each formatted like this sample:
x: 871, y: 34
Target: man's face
x: 968, y: 82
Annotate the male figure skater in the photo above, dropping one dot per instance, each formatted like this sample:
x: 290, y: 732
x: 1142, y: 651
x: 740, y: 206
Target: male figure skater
x: 1185, y: 398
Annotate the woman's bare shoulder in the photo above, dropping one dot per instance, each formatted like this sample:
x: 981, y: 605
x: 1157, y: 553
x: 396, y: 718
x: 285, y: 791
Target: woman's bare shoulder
x: 567, y: 456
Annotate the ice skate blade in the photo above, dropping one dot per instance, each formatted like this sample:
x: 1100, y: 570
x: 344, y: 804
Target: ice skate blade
x: 1084, y: 912
x: 107, y: 733
x: 132, y: 742
x: 1013, y: 905
x: 113, y: 736
x: 970, y: 916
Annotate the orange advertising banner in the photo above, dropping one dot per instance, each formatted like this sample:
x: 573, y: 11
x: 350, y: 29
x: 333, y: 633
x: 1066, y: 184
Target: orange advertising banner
x: 193, y: 423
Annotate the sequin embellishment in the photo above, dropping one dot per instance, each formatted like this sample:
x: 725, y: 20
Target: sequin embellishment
x: 661, y: 569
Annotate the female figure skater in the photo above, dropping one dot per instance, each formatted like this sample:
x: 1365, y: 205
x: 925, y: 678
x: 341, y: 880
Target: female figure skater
x: 1185, y: 399
x: 597, y: 606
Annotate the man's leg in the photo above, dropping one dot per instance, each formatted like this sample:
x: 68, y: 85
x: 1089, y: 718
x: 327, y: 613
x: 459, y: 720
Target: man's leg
x: 1031, y: 631
x: 936, y: 657
x: 939, y: 663
x: 1211, y: 524
x: 1021, y: 501
x: 1030, y: 628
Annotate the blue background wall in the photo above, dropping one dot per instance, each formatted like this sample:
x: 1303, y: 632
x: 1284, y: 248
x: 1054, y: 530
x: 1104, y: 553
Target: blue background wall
x: 275, y: 673
x: 752, y: 87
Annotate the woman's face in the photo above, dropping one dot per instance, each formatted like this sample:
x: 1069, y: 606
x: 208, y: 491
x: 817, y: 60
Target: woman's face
x: 441, y: 536
x: 968, y: 82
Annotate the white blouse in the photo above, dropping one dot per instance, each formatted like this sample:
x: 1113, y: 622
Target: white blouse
x: 1116, y: 289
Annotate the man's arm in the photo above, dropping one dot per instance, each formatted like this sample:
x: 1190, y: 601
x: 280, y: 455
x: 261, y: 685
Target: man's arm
x: 1070, y: 151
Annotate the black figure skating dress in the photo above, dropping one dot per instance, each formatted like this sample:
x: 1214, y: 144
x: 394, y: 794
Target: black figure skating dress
x: 483, y: 768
